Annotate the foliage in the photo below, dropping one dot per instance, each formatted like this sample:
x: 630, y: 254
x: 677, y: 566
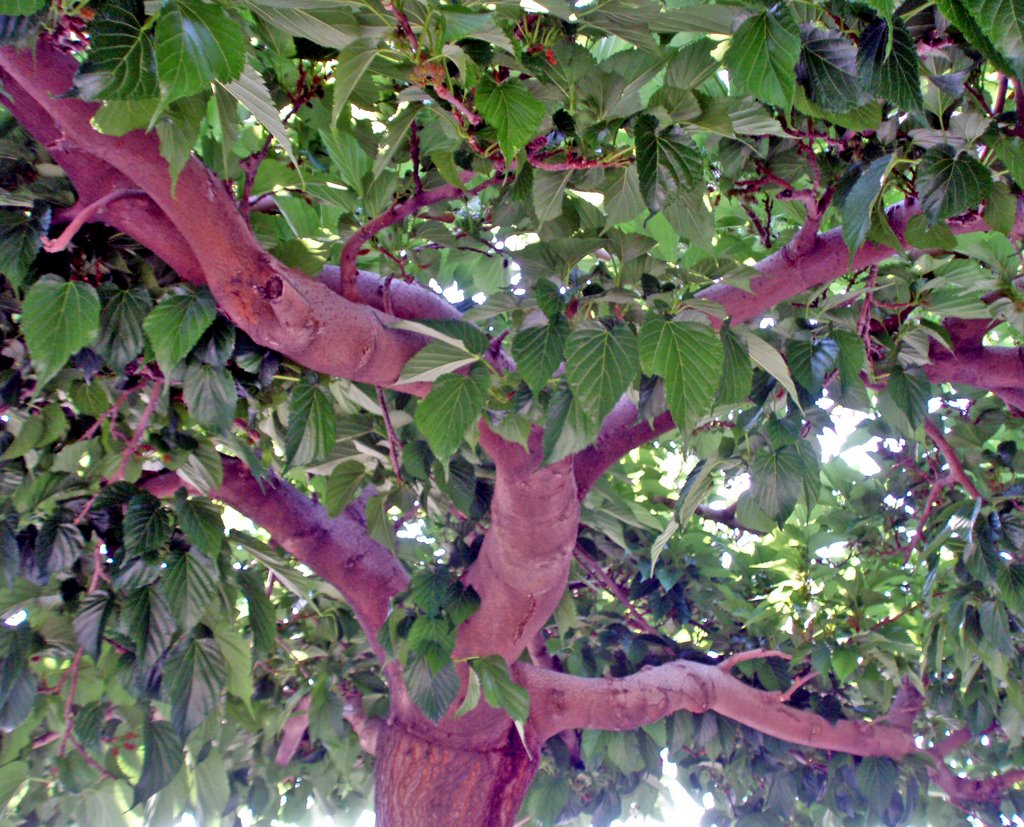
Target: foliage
x: 622, y: 198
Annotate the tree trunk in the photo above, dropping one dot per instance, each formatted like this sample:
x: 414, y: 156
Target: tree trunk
x: 424, y: 783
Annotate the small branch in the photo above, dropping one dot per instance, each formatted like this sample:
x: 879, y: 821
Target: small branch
x: 751, y: 654
x: 797, y: 683
x: 397, y: 212
x: 594, y: 570
x: 1018, y: 102
x: 367, y: 728
x: 404, y: 26
x: 393, y: 442
x: 72, y: 685
x: 956, y: 468
x: 84, y: 216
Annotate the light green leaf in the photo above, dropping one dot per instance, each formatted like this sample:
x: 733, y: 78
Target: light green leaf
x: 251, y: 92
x: 201, y: 521
x: 177, y: 323
x: 600, y: 364
x: 435, y: 360
x: 548, y: 194
x: 763, y: 56
x: 451, y: 407
x: 1003, y: 22
x: 737, y: 373
x: 352, y: 63
x: 512, y: 110
x: 769, y: 360
x: 689, y: 356
x: 622, y: 199
x: 196, y: 44
x: 569, y: 428
x: 58, y: 319
x: 499, y: 689
x: 342, y: 485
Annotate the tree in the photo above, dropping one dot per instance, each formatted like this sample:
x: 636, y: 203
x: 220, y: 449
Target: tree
x: 489, y: 557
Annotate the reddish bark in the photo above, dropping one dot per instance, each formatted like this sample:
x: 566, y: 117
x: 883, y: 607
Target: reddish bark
x: 428, y: 783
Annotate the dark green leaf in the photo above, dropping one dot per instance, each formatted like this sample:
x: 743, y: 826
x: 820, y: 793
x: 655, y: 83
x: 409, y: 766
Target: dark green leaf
x: 20, y: 240
x: 431, y: 589
x: 776, y: 481
x: 890, y: 73
x: 877, y: 779
x: 121, y: 60
x: 163, y: 758
x: 451, y: 407
x: 910, y: 390
x: 190, y: 584
x: 667, y: 165
x: 193, y: 680
x: 311, y: 426
x: 59, y: 318
x: 262, y: 619
x: 149, y: 622
x: 147, y: 524
x: 737, y: 372
x: 90, y: 621
x: 209, y: 396
x: 810, y: 360
x: 432, y: 693
x: 857, y: 206
x: 121, y: 336
x: 951, y: 183
x: 831, y: 75
x: 1003, y: 22
x: 202, y: 523
x: 569, y: 428
x: 499, y: 689
x: 342, y: 486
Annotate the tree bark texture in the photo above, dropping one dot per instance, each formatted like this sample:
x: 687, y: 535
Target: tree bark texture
x: 428, y: 783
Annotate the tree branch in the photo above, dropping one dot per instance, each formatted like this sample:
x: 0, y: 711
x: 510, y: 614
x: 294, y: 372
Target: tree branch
x: 338, y: 549
x: 956, y: 467
x: 523, y: 564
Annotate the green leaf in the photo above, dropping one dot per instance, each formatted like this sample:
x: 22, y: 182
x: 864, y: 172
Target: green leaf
x: 776, y: 481
x: 121, y: 55
x: 1003, y: 22
x: 689, y: 356
x: 21, y: 7
x: 432, y: 692
x: 311, y: 426
x: 769, y: 360
x: 763, y: 55
x: 737, y: 373
x: 20, y: 240
x: 569, y: 428
x: 209, y: 396
x: 16, y: 773
x: 451, y: 407
x: 190, y: 584
x: 196, y: 44
x: 58, y: 319
x: 121, y: 336
x: 431, y: 589
x: 949, y: 183
x: 1001, y: 208
x: 163, y: 758
x: 910, y: 390
x: 858, y: 202
x: 177, y: 323
x: 600, y: 365
x: 512, y: 110
x: 201, y: 521
x: 252, y: 93
x: 147, y: 524
x: 925, y: 236
x: 548, y: 194
x: 342, y: 486
x: 352, y: 63
x: 472, y: 699
x: 499, y: 689
x: 150, y: 624
x: 666, y: 164
x: 90, y: 622
x: 877, y: 779
x: 538, y: 351
x: 178, y: 128
x: 622, y: 199
x: 262, y: 619
x: 811, y: 360
x: 194, y: 677
x: 435, y: 360
x: 890, y: 72
x: 831, y: 73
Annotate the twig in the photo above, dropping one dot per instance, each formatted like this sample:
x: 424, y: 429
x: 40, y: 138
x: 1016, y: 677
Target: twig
x: 751, y: 654
x: 956, y: 468
x: 414, y: 154
x: 595, y: 571
x: 55, y: 245
x: 113, y: 409
x: 797, y: 683
x: 1018, y: 102
x: 392, y: 215
x: 404, y: 26
x: 72, y: 685
x: 393, y: 442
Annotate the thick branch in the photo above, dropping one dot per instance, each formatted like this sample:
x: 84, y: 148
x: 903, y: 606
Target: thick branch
x: 523, y: 565
x: 560, y: 701
x: 338, y: 549
x: 276, y: 306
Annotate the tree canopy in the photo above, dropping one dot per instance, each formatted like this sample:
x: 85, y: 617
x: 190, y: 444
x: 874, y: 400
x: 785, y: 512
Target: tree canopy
x: 416, y: 405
